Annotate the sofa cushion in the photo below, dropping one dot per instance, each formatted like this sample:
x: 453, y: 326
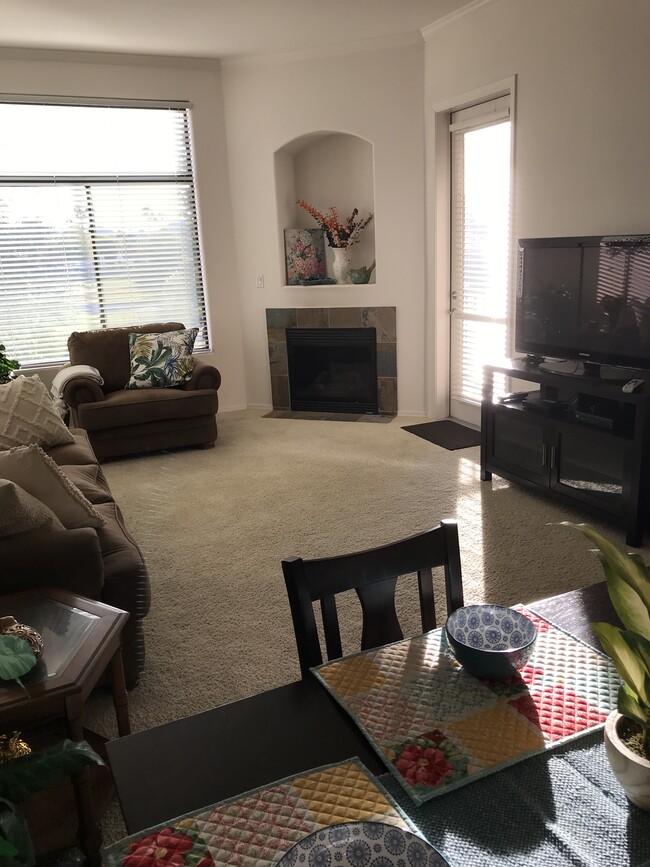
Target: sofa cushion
x: 28, y: 415
x: 107, y: 349
x: 37, y: 473
x: 161, y: 360
x: 90, y: 480
x: 20, y: 512
x: 142, y: 405
x: 77, y: 452
x: 124, y: 567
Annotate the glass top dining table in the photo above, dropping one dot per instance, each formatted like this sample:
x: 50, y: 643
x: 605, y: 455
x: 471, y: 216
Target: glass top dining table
x: 564, y: 804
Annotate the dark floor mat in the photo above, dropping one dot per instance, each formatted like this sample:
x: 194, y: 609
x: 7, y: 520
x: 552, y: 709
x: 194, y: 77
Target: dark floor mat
x: 448, y: 434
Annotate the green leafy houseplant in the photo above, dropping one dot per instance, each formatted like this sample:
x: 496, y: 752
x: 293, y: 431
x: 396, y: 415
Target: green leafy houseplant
x: 628, y: 586
x: 26, y: 775
x: 7, y: 365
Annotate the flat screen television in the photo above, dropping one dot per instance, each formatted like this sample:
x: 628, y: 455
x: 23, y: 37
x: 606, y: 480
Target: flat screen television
x: 586, y: 301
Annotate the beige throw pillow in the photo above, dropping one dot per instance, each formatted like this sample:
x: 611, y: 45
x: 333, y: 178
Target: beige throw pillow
x: 37, y: 474
x: 28, y: 415
x: 20, y: 511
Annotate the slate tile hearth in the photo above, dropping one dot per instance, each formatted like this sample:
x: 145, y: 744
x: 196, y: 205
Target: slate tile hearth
x: 383, y: 319
x: 329, y: 416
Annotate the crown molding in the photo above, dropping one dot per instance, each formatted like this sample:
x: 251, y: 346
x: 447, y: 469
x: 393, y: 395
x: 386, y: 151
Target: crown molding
x: 375, y: 43
x: 474, y: 6
x: 47, y: 55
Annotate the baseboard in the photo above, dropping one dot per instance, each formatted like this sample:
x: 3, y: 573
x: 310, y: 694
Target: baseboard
x: 232, y: 408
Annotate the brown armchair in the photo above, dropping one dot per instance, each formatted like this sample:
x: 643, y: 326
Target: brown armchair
x: 122, y: 421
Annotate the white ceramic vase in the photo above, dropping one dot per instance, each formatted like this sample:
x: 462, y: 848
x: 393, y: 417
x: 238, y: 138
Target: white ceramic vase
x: 341, y: 264
x: 631, y: 770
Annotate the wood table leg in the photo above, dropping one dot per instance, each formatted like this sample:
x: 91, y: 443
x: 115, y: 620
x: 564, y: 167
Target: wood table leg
x: 120, y: 695
x: 90, y: 834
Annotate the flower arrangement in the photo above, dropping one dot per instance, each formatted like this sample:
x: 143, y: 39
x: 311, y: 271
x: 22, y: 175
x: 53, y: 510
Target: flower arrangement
x: 338, y: 234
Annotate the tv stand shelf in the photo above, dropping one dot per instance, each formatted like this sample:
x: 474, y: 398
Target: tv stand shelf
x: 578, y: 438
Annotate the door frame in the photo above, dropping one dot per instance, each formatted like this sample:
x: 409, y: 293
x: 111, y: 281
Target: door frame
x: 438, y: 237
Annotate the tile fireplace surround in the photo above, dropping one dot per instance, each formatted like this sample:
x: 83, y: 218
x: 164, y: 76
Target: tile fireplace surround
x: 381, y: 318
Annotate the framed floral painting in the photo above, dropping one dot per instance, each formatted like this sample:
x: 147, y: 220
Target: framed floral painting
x: 305, y: 256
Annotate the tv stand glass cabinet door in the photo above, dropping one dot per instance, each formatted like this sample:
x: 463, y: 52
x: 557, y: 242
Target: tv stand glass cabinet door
x: 572, y: 459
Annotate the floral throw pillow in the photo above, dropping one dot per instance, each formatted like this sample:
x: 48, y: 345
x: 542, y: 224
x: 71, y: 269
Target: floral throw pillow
x: 161, y: 360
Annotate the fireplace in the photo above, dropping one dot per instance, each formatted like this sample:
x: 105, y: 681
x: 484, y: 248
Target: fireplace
x: 382, y: 320
x: 332, y: 369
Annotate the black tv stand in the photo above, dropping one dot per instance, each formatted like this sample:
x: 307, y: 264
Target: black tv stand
x: 531, y: 360
x: 590, y: 370
x: 579, y: 439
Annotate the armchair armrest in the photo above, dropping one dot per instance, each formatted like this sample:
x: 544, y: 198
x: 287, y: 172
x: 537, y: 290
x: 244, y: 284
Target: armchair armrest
x: 82, y: 389
x: 70, y: 559
x: 204, y: 376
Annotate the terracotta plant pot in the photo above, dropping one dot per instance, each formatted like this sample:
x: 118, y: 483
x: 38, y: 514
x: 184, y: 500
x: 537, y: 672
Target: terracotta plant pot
x: 631, y: 770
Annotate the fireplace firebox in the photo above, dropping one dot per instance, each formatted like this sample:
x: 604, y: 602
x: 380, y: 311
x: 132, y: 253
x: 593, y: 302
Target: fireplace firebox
x: 332, y: 369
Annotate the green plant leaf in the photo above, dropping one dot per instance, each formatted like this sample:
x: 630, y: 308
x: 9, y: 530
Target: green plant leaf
x: 640, y: 646
x: 23, y: 776
x: 7, y: 848
x: 630, y: 668
x: 628, y: 581
x: 16, y: 657
x: 14, y: 834
x: 629, y: 707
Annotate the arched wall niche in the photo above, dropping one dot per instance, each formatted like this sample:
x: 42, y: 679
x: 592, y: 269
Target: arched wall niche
x: 326, y: 169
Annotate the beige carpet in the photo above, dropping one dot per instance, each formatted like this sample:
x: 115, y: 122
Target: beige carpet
x: 214, y: 525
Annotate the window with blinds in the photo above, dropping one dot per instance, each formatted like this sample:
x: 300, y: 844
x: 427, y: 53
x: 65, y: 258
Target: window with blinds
x: 480, y: 236
x: 98, y: 223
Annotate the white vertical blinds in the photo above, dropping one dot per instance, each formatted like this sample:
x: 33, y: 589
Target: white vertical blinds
x: 98, y: 224
x: 480, y: 222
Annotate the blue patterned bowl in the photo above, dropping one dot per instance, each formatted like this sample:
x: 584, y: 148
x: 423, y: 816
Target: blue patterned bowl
x: 490, y: 641
x: 362, y: 844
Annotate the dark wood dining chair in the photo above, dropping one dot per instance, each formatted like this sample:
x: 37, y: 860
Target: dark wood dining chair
x: 373, y: 574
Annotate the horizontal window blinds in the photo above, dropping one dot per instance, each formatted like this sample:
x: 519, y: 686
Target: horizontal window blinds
x: 98, y: 224
x: 480, y: 219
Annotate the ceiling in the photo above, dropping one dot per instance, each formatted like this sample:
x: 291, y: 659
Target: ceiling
x: 224, y: 29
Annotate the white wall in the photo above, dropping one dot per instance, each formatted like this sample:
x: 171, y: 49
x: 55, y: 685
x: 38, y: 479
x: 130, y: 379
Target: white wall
x: 582, y: 124
x: 58, y: 73
x: 378, y: 96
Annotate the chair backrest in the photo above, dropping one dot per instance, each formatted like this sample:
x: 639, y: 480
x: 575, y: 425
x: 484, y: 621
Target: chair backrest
x: 107, y: 349
x: 373, y: 575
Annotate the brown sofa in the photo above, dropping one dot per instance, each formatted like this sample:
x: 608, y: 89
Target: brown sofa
x: 123, y: 421
x: 103, y: 563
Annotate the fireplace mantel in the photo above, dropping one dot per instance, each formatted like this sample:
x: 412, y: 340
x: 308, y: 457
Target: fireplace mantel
x: 278, y: 319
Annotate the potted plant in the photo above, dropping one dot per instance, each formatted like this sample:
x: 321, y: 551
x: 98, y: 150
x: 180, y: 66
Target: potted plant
x: 627, y: 729
x: 7, y: 365
x: 27, y: 774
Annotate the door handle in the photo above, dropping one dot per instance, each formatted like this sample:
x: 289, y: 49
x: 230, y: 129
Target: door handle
x: 544, y: 450
x: 552, y: 457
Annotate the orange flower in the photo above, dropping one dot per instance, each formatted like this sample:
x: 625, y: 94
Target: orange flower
x: 338, y: 234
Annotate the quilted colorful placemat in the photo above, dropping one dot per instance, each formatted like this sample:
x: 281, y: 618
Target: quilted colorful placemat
x: 257, y: 828
x: 437, y: 727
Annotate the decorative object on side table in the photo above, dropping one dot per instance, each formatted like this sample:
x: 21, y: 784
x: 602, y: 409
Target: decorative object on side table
x: 7, y: 365
x: 627, y: 730
x: 23, y: 772
x: 340, y: 236
x: 10, y: 626
x: 304, y: 251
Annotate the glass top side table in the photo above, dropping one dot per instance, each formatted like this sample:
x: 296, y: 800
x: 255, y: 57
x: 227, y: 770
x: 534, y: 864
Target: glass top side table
x: 81, y: 640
